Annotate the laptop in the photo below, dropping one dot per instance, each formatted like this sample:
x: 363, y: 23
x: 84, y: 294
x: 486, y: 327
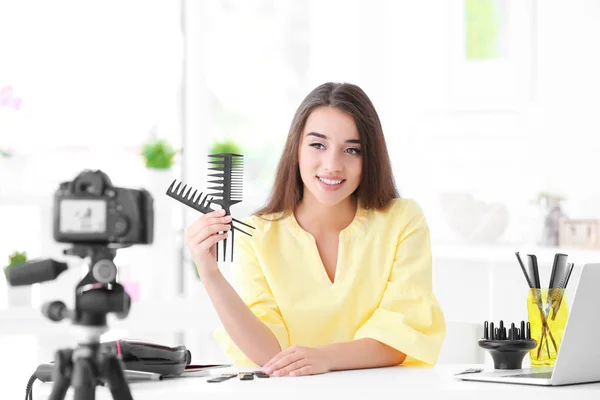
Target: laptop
x: 578, y: 358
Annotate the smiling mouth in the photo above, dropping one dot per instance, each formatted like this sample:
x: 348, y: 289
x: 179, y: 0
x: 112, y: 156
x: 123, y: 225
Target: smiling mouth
x: 331, y: 182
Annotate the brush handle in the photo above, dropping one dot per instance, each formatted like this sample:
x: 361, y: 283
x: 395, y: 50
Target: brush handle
x: 527, y: 277
x: 533, y: 270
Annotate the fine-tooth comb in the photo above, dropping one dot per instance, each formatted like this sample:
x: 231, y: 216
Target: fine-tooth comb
x: 227, y: 192
x: 227, y: 189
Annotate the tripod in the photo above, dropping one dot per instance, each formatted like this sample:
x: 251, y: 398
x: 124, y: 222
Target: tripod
x: 89, y: 364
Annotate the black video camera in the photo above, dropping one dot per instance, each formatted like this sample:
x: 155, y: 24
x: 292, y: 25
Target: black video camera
x: 91, y: 210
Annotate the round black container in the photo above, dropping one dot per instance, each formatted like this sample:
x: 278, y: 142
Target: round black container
x: 507, y: 354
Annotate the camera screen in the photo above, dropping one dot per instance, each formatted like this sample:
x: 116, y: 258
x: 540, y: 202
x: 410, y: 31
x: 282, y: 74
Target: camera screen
x: 82, y: 216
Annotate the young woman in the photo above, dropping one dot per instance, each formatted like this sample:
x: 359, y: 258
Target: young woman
x: 337, y: 273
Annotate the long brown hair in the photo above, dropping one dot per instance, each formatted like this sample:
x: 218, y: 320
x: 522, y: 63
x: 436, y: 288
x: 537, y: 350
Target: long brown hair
x: 377, y: 187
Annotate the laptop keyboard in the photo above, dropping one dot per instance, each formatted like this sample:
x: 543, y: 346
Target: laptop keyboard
x: 539, y: 375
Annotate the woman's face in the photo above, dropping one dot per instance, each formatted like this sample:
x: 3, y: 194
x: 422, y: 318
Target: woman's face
x: 329, y: 155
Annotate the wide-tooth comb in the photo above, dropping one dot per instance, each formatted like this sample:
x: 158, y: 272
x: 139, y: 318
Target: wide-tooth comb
x: 227, y: 189
x: 200, y: 204
x: 196, y: 202
x: 229, y: 171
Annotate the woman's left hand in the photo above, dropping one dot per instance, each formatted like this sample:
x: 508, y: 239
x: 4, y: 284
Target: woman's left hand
x: 298, y: 361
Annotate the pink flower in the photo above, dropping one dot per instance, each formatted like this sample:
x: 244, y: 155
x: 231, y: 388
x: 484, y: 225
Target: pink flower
x: 7, y: 99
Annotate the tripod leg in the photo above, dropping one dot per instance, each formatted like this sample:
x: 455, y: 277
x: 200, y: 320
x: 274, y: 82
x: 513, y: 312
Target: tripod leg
x: 84, y: 380
x: 112, y: 371
x: 61, y: 374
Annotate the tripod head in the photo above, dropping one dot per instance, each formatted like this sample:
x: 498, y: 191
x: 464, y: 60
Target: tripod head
x: 97, y: 294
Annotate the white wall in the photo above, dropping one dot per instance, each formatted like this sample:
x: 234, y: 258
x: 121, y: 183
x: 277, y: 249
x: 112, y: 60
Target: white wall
x: 534, y: 135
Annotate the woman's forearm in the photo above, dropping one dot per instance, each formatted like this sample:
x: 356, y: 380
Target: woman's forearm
x: 249, y: 333
x: 362, y: 353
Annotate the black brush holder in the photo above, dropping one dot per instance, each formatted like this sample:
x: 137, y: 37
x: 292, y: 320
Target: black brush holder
x: 507, y: 349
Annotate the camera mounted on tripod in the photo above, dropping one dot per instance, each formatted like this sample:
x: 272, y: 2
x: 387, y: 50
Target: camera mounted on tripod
x: 97, y: 218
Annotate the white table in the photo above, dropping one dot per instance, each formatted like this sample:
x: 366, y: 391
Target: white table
x: 380, y: 383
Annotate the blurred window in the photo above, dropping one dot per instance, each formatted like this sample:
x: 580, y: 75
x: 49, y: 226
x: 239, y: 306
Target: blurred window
x: 486, y: 29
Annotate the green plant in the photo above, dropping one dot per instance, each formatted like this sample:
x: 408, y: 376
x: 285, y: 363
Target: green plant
x: 158, y: 154
x: 5, y: 153
x: 550, y: 196
x: 545, y: 198
x: 226, y: 146
x: 15, y: 258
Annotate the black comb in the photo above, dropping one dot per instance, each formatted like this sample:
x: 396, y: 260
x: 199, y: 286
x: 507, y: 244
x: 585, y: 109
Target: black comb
x: 196, y: 203
x: 227, y: 185
x: 562, y: 280
x: 202, y: 204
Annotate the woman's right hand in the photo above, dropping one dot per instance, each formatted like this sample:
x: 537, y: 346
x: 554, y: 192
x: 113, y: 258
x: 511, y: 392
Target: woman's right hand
x: 202, y: 236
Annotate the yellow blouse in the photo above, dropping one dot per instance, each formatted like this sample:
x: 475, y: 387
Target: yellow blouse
x: 382, y: 287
